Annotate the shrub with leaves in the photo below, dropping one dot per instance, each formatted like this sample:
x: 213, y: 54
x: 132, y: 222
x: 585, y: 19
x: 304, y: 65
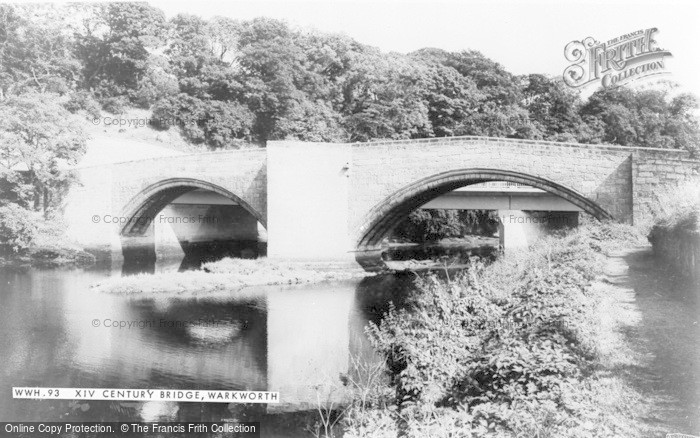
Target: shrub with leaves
x: 424, y: 225
x: 218, y: 124
x: 17, y: 228
x: 115, y: 105
x: 83, y: 101
x: 500, y: 350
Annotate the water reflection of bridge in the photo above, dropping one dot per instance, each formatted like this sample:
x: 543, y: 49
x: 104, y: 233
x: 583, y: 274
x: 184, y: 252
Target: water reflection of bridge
x: 296, y: 340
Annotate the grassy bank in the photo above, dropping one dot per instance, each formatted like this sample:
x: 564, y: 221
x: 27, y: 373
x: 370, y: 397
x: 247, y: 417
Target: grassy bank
x: 48, y: 247
x: 229, y: 275
x: 516, y: 348
x: 675, y: 234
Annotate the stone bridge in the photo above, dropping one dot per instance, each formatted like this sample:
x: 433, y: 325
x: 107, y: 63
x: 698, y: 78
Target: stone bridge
x: 326, y: 201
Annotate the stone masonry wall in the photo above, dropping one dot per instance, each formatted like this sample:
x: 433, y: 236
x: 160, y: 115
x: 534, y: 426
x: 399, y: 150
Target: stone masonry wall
x: 241, y: 172
x: 655, y: 171
x: 96, y: 205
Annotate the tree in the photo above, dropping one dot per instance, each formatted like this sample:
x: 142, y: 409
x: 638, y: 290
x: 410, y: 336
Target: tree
x: 188, y: 52
x: 648, y: 118
x: 500, y: 112
x: 616, y: 109
x: 553, y: 107
x: 326, y: 66
x: 426, y: 225
x: 35, y: 53
x: 281, y: 84
x: 310, y: 121
x: 18, y: 229
x: 383, y: 99
x: 682, y: 125
x: 270, y: 66
x: 201, y: 57
x: 114, y: 45
x: 499, y: 86
x: 216, y: 123
x: 39, y: 140
x: 223, y: 33
x: 452, y: 99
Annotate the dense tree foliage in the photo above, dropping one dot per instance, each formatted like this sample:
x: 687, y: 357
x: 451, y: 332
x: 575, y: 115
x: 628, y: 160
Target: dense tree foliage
x: 114, y: 47
x: 36, y: 53
x: 225, y: 82
x: 39, y: 141
x: 426, y: 225
x: 643, y: 118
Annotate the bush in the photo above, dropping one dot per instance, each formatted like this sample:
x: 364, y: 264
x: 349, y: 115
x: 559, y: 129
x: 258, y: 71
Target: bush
x: 226, y: 124
x: 216, y: 123
x: 677, y: 207
x: 501, y: 350
x: 26, y: 237
x: 675, y: 234
x: 83, y: 101
x: 155, y: 86
x: 115, y: 105
x: 608, y: 236
x: 18, y: 228
x: 425, y: 225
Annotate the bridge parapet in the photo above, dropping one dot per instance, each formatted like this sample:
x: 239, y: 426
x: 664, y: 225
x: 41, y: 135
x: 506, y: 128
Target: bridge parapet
x: 517, y: 141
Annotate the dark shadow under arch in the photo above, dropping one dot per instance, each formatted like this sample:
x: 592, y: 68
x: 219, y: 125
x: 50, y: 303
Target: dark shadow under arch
x: 385, y: 216
x: 142, y: 209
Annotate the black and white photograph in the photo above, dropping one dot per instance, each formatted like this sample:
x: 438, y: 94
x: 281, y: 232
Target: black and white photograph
x: 350, y: 219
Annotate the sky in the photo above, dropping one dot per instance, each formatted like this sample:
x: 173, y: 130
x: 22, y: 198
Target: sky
x: 524, y: 36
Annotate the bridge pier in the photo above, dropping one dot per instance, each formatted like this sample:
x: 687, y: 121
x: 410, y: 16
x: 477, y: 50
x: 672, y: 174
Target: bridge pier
x: 518, y: 228
x: 139, y: 252
x: 370, y: 259
x: 186, y: 228
x: 308, y: 186
x: 197, y: 227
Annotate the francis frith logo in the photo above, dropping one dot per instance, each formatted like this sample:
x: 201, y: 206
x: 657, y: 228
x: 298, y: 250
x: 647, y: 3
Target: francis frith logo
x: 618, y: 61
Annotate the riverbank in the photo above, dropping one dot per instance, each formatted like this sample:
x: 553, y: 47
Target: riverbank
x: 678, y: 243
x: 528, y: 346
x: 449, y: 253
x: 49, y: 251
x: 230, y: 274
x: 658, y: 314
x: 675, y: 234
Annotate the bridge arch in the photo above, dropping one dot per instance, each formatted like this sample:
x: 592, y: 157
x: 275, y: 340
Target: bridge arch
x: 386, y: 215
x: 142, y: 208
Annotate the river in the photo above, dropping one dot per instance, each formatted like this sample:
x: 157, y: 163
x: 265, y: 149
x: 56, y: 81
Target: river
x: 297, y: 340
x: 55, y: 331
